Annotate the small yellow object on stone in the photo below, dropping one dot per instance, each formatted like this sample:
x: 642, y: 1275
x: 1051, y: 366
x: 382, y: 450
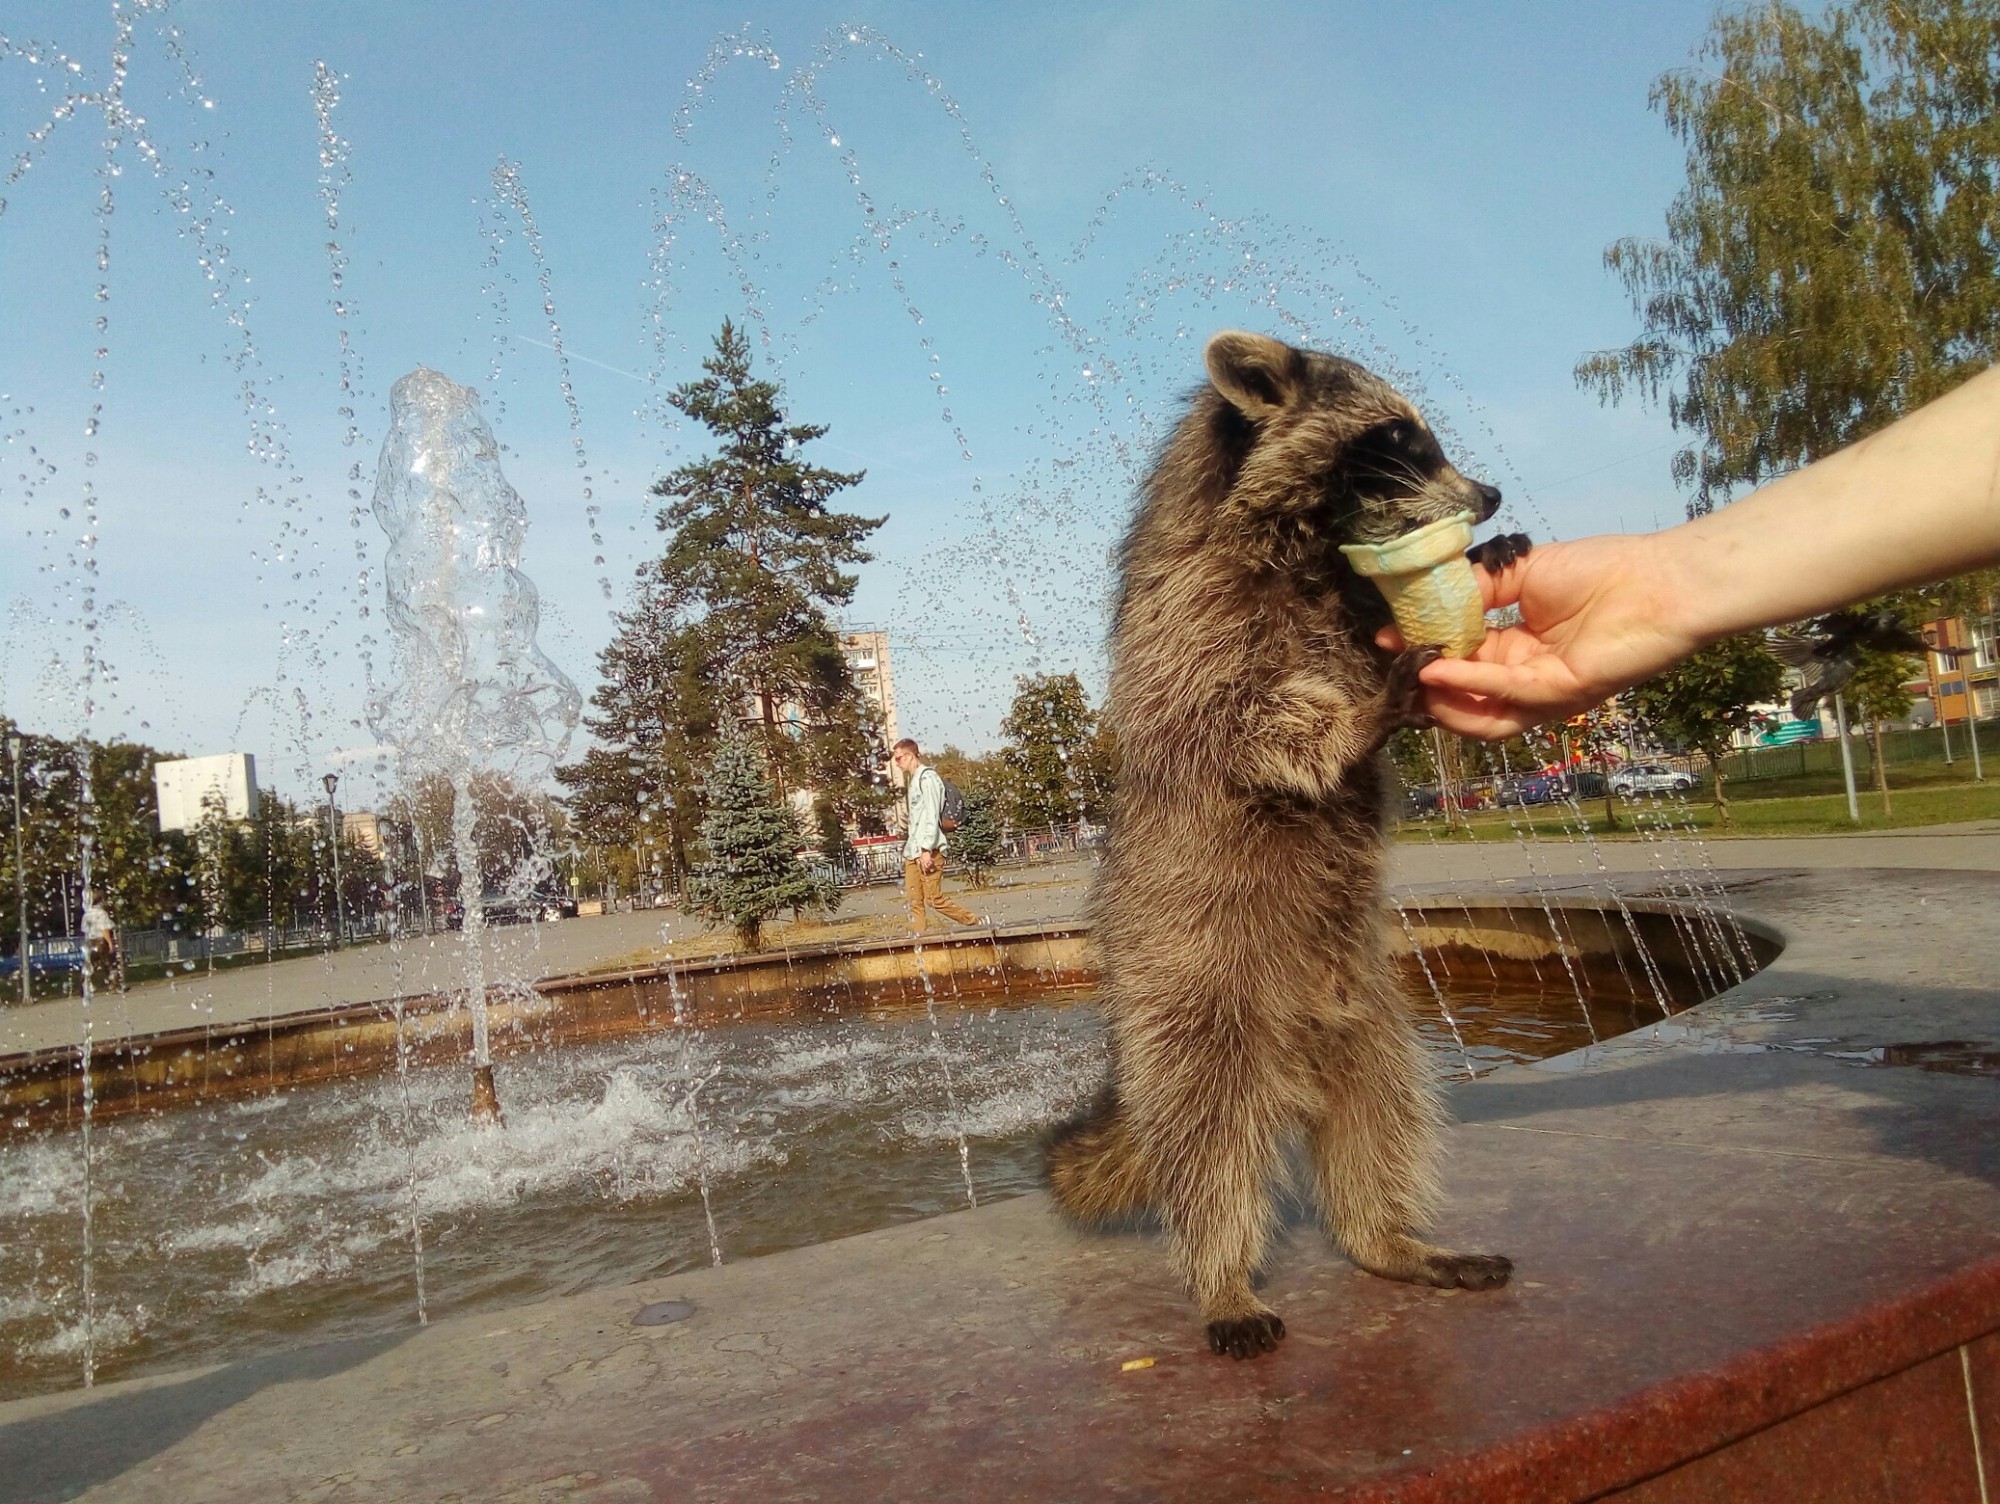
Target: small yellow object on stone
x: 1131, y: 1363
x: 1428, y: 583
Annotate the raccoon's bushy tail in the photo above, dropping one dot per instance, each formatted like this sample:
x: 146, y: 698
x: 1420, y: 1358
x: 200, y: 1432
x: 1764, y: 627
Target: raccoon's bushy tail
x: 1093, y: 1164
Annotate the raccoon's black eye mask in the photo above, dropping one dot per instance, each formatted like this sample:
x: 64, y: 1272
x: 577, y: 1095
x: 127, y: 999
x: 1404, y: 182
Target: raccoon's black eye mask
x: 1384, y: 464
x: 1391, y: 459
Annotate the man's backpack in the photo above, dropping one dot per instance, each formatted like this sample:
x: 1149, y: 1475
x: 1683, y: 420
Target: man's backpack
x: 951, y: 810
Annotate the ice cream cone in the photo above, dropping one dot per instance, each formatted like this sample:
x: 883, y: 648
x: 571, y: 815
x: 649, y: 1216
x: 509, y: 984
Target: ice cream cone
x: 1428, y: 583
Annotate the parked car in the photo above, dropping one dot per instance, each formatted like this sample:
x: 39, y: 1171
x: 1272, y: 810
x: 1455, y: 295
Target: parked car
x: 504, y: 908
x: 1542, y: 788
x: 47, y: 958
x: 1532, y: 788
x: 1650, y: 778
x: 1421, y: 800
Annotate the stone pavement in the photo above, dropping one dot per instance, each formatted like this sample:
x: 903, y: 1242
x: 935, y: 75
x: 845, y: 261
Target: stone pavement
x: 1756, y: 1258
x: 1018, y: 895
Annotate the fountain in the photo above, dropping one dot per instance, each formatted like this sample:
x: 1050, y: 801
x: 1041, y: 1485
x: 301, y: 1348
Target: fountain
x: 476, y: 694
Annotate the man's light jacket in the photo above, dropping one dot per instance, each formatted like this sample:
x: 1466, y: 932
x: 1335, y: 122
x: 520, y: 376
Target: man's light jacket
x: 926, y: 804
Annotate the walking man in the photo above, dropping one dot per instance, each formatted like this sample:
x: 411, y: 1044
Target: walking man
x: 923, y: 847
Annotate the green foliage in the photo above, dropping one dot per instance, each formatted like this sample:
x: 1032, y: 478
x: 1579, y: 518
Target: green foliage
x: 830, y: 833
x: 657, y: 710
x: 1831, y: 262
x: 1059, y: 764
x: 754, y: 562
x: 1412, y: 755
x: 731, y: 622
x: 987, y: 774
x: 1704, y: 700
x: 518, y: 833
x: 976, y: 842
x: 750, y: 868
x: 272, y: 870
x: 1878, y: 691
x: 135, y: 872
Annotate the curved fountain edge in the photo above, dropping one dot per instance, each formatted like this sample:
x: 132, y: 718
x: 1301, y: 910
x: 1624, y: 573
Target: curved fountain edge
x: 180, y: 1066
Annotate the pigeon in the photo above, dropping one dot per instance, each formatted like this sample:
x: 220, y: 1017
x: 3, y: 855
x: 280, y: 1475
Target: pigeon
x: 1828, y: 656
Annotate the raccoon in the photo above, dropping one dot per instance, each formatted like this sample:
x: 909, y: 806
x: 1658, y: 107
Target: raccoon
x: 1246, y: 966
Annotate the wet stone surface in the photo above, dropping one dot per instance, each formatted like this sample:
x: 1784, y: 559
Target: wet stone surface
x: 253, y: 1225
x: 1712, y: 1232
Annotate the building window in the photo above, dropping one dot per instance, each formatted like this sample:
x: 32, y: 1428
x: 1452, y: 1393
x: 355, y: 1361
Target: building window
x: 1985, y: 641
x: 1985, y: 700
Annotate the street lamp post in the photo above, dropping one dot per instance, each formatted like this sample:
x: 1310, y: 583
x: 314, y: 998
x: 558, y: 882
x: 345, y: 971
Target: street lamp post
x: 332, y: 781
x: 20, y: 871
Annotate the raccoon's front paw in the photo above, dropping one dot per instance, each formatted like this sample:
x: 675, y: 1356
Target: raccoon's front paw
x: 1466, y: 1271
x: 1404, y: 692
x: 1246, y: 1336
x: 1497, y: 552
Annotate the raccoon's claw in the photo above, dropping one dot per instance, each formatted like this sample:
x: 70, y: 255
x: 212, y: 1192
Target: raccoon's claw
x: 1497, y: 552
x: 1466, y: 1271
x: 1404, y: 692
x: 1246, y: 1336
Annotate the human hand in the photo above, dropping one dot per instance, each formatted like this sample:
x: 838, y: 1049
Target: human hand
x: 1597, y: 616
x: 928, y: 861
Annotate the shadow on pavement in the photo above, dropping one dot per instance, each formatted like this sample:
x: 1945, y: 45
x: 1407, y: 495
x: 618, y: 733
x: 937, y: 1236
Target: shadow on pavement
x: 71, y: 1450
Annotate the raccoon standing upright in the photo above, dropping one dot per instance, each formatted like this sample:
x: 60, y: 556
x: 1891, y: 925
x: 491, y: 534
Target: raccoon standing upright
x: 1247, y: 972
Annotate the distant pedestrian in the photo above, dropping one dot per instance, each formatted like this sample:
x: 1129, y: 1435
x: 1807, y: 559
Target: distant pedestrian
x: 924, y: 845
x: 100, y: 940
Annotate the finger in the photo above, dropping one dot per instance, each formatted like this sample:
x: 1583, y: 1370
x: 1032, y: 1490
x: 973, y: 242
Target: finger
x: 1475, y: 716
x: 1391, y: 639
x: 1498, y: 681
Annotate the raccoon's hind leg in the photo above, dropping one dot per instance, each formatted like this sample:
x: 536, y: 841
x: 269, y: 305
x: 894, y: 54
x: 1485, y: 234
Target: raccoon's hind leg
x: 1374, y: 1151
x: 1208, y: 1112
x: 1093, y: 1165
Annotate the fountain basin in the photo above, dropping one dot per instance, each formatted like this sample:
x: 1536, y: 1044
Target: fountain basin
x: 1574, y: 941
x: 263, y: 1186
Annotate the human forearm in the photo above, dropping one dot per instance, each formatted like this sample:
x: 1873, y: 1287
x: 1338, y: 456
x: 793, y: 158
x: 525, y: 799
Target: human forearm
x: 1916, y: 502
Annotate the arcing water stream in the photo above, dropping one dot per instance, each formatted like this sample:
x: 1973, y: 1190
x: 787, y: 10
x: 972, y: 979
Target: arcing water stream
x: 176, y: 1239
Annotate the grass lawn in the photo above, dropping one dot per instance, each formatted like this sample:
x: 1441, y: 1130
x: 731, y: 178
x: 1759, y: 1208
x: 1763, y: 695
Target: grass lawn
x: 1761, y: 807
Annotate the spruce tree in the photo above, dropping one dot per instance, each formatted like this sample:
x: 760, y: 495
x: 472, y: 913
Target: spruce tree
x: 976, y: 842
x: 750, y: 838
x: 655, y: 715
x: 755, y: 560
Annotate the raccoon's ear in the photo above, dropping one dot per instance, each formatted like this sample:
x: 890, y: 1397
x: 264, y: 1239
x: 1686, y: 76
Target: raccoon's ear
x: 1258, y: 374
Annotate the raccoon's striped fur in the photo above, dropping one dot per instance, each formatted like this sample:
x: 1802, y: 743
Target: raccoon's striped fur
x: 1246, y: 969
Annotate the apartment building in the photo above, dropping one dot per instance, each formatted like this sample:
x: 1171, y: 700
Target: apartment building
x: 1950, y: 691
x: 867, y: 654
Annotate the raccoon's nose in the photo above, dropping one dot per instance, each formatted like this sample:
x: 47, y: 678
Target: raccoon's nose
x: 1489, y: 499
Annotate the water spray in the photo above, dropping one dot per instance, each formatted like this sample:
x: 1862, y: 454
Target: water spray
x: 477, y: 695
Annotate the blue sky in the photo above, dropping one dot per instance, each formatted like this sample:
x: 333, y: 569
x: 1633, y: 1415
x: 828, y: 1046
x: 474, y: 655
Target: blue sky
x: 984, y: 243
